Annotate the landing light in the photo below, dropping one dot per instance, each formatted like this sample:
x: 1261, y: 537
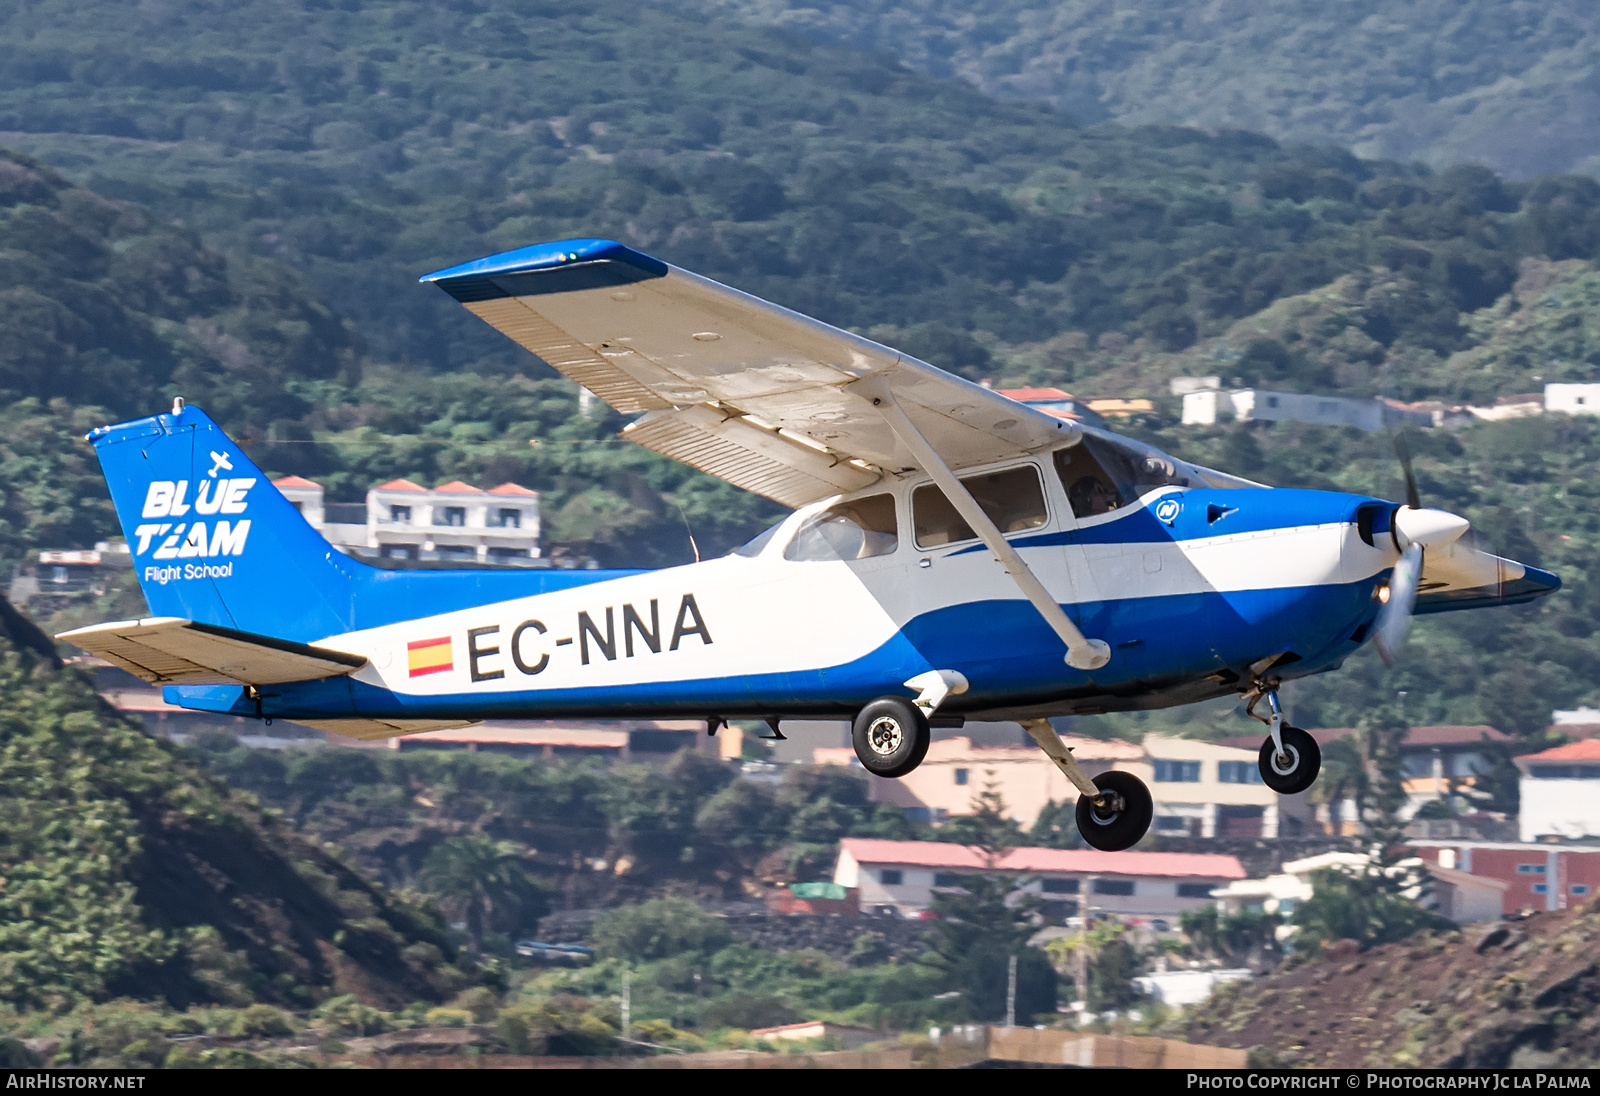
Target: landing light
x: 1382, y: 593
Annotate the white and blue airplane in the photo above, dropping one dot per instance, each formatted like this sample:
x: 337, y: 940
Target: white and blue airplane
x: 952, y: 555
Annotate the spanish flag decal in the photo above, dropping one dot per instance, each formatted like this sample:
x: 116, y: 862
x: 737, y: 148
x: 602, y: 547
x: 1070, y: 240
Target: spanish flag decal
x: 428, y: 656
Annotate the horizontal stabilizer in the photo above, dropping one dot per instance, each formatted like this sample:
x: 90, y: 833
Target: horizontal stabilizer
x: 1459, y: 576
x: 173, y: 651
x: 371, y: 729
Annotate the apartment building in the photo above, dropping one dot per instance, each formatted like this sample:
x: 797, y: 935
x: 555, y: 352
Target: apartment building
x: 404, y: 520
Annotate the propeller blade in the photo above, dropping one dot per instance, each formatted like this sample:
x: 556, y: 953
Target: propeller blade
x: 1394, y: 619
x: 1403, y: 451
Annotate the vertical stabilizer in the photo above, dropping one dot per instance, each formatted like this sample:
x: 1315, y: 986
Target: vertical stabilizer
x: 212, y: 540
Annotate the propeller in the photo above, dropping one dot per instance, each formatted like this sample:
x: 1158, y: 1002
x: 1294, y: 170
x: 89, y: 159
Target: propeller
x: 1416, y: 528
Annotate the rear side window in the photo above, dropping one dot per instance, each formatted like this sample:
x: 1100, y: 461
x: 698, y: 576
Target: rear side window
x: 1013, y: 499
x: 852, y: 530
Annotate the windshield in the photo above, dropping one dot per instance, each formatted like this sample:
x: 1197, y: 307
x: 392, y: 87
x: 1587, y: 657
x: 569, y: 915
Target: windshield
x: 1102, y: 473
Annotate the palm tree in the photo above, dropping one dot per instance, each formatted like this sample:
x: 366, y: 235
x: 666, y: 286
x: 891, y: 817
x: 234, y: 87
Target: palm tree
x: 480, y: 880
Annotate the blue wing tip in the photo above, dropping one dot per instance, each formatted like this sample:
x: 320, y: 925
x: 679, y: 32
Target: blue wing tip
x: 1547, y: 581
x: 548, y: 256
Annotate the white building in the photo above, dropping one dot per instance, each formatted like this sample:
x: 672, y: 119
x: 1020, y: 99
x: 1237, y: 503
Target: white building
x: 1133, y: 886
x: 1561, y: 792
x: 1183, y: 386
x: 404, y: 520
x: 1459, y: 895
x: 1203, y: 789
x: 1207, y: 406
x: 1572, y: 399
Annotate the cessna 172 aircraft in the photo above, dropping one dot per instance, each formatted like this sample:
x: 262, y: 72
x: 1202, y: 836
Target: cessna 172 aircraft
x: 952, y: 555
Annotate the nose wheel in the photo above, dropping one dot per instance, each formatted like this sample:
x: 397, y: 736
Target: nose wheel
x: 1119, y: 816
x: 1290, y: 758
x: 890, y: 736
x: 1294, y: 767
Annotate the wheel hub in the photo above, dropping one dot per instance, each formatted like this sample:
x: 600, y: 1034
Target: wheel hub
x: 1106, y: 807
x: 885, y: 735
x: 1287, y: 762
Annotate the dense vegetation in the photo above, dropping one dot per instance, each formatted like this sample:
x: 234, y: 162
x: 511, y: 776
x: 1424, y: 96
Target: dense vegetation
x: 1504, y: 84
x: 367, y: 146
x: 129, y: 872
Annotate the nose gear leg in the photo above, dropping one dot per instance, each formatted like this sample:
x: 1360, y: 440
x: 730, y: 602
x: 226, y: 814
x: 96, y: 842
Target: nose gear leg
x: 1290, y: 758
x: 1268, y: 688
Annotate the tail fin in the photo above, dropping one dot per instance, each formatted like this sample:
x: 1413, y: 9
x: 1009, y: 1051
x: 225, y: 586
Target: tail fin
x: 212, y: 540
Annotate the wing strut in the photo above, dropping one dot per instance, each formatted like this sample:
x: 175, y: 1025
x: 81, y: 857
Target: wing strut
x: 1082, y: 653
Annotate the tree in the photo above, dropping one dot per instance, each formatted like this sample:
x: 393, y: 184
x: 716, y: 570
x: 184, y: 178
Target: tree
x: 1344, y: 777
x: 1057, y: 826
x: 982, y: 923
x: 1365, y: 905
x: 739, y: 818
x: 658, y: 929
x: 1248, y: 937
x: 484, y: 882
x: 988, y: 827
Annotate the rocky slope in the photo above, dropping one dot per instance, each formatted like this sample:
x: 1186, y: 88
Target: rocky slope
x: 1523, y: 994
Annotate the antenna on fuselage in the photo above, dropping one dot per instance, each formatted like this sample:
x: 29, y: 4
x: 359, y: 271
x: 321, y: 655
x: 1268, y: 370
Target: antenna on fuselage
x: 687, y: 529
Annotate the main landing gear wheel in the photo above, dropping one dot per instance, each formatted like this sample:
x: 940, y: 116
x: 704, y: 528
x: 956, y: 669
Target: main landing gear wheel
x: 1296, y: 768
x: 1119, y: 816
x: 890, y: 736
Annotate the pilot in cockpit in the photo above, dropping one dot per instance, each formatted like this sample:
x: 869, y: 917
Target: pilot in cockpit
x: 1089, y: 495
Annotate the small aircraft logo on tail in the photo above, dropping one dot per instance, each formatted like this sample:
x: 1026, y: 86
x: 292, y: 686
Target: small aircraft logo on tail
x: 429, y: 656
x: 220, y: 460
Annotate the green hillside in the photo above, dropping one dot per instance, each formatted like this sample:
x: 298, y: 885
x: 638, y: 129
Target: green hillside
x: 128, y: 873
x: 1510, y: 85
x: 1340, y: 338
x: 365, y: 146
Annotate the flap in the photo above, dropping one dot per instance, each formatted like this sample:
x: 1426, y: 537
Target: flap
x: 172, y: 651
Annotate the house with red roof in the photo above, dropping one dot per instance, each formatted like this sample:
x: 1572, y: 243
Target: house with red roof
x: 1056, y: 402
x: 402, y: 519
x: 902, y: 877
x: 1560, y: 790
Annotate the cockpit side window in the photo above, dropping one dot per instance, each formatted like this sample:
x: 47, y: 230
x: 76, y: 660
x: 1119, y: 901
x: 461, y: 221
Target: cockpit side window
x: 1101, y: 474
x: 753, y: 547
x: 1013, y: 499
x: 859, y: 529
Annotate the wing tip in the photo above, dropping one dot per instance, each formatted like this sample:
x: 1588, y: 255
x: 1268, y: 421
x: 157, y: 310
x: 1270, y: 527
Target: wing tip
x: 546, y: 256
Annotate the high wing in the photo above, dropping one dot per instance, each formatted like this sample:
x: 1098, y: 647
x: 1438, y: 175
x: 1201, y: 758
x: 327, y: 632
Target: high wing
x: 172, y: 651
x: 728, y: 383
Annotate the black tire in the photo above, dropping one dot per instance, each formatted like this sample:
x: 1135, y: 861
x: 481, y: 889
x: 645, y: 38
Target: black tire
x: 890, y: 736
x: 1304, y: 762
x: 1121, y: 829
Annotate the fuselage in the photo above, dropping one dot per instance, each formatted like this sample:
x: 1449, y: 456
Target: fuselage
x: 1191, y: 584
